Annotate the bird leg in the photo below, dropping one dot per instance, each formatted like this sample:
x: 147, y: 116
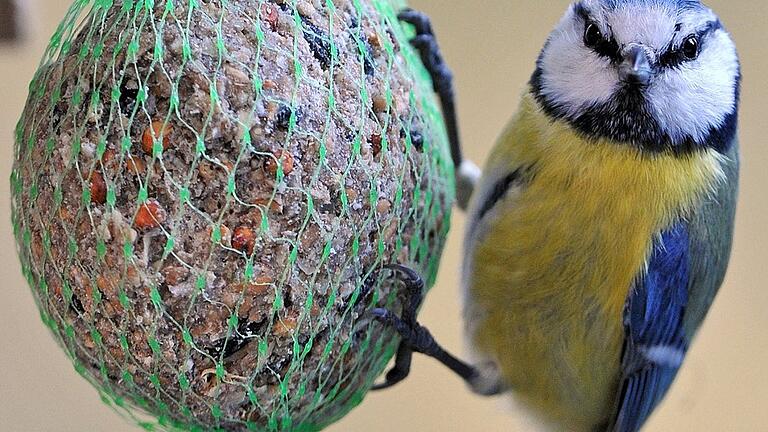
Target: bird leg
x: 415, y: 337
x: 426, y: 44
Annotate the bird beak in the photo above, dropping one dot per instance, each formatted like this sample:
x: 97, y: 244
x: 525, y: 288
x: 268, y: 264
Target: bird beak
x: 636, y: 68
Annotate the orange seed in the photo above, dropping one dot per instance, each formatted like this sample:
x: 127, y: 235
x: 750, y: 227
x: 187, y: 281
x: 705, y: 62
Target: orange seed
x: 243, y: 239
x: 282, y: 157
x: 98, y: 188
x: 150, y: 215
x: 158, y: 129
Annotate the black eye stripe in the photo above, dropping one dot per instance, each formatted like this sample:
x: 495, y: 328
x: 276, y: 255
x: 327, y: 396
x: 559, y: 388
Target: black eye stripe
x: 607, y: 48
x: 674, y: 56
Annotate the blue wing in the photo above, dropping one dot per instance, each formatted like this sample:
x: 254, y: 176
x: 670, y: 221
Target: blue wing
x: 669, y: 303
x: 655, y: 342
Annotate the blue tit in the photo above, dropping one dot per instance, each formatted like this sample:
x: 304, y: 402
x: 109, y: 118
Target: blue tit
x: 600, y: 229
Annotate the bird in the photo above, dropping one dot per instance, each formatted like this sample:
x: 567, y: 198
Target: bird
x: 599, y: 232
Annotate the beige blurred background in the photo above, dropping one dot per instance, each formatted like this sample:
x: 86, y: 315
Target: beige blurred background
x: 491, y: 45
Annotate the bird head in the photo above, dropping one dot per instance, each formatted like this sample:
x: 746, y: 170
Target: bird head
x: 660, y: 75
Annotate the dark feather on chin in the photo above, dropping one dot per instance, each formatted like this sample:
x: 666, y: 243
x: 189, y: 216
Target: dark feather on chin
x: 627, y: 118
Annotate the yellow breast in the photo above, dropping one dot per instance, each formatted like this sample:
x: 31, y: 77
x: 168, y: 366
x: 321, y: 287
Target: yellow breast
x: 548, y: 279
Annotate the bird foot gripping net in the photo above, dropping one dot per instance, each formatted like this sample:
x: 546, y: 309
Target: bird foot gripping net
x: 205, y: 191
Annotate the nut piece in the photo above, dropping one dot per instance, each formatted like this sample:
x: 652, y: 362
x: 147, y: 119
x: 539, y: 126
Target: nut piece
x: 269, y: 85
x: 376, y: 143
x: 379, y: 104
x: 98, y: 188
x: 158, y: 129
x: 384, y: 206
x: 269, y: 15
x: 135, y: 165
x: 259, y: 287
x: 282, y: 157
x: 150, y: 215
x: 243, y: 239
x: 285, y: 327
x: 175, y: 275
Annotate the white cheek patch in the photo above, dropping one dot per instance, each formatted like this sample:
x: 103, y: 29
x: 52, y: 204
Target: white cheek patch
x: 697, y: 96
x: 573, y: 76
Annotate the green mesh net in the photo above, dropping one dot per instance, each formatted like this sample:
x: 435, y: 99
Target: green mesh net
x: 205, y: 192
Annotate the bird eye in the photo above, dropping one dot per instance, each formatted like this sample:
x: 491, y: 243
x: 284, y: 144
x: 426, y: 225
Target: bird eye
x: 592, y: 35
x: 691, y: 47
